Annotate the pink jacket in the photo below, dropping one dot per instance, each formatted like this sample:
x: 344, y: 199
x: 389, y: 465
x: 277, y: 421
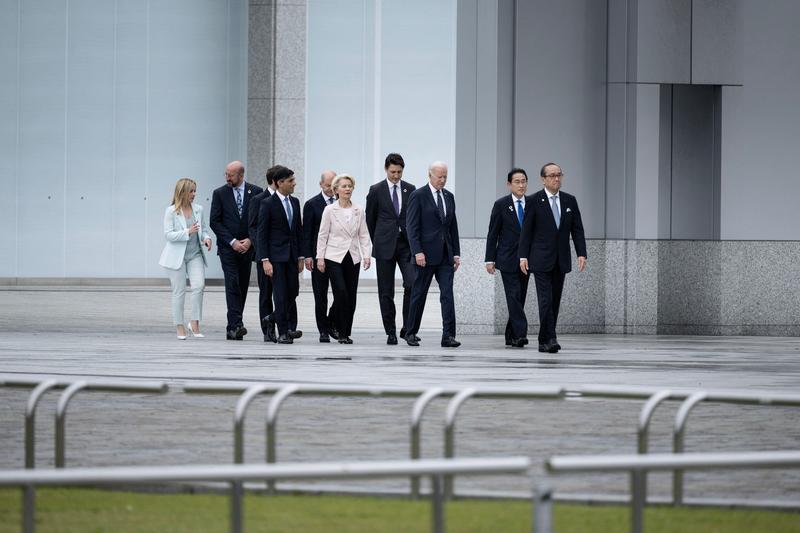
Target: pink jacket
x: 337, y: 235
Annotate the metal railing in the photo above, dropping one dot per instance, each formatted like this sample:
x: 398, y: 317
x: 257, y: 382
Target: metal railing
x: 652, y: 462
x: 236, y: 475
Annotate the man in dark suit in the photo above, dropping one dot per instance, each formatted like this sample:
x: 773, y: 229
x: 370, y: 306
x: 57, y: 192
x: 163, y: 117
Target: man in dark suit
x: 386, y: 209
x: 280, y: 244
x: 265, y: 307
x: 502, y: 245
x: 312, y: 215
x: 433, y: 237
x: 228, y: 219
x: 551, y: 218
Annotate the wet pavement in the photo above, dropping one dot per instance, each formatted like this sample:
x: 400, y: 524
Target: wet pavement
x: 124, y: 333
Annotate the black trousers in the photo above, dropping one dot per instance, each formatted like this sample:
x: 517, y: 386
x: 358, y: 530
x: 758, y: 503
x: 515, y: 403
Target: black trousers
x: 285, y: 288
x: 319, y: 284
x: 236, y: 270
x: 419, y: 293
x: 515, y: 285
x: 385, y: 271
x: 344, y: 282
x: 265, y: 307
x: 549, y: 286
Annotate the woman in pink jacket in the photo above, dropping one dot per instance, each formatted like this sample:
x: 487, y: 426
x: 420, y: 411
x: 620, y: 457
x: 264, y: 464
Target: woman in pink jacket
x: 343, y: 242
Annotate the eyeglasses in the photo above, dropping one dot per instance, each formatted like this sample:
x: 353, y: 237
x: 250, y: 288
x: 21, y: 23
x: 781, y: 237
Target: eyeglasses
x: 552, y: 176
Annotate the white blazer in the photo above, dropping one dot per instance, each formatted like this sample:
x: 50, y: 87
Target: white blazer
x: 177, y: 235
x: 337, y: 236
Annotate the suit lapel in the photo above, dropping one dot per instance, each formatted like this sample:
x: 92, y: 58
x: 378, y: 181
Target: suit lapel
x: 338, y: 214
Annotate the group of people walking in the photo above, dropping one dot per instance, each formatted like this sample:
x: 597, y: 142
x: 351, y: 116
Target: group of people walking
x: 415, y: 229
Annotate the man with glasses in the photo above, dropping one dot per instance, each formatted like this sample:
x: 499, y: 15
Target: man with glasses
x: 551, y: 218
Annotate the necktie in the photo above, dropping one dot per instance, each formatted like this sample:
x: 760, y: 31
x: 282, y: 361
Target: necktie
x: 395, y: 201
x: 439, y: 204
x: 288, y: 211
x: 330, y: 201
x: 239, y: 201
x: 520, y: 213
x: 556, y: 212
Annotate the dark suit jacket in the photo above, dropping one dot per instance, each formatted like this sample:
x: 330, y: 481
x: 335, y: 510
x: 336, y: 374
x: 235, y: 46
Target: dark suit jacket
x: 312, y: 215
x: 427, y: 232
x: 224, y: 218
x: 541, y: 242
x: 252, y: 225
x: 502, y: 241
x: 383, y: 224
x: 276, y: 241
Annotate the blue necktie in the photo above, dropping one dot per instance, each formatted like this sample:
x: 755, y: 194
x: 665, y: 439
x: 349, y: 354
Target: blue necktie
x: 288, y: 211
x: 520, y: 213
x: 239, y: 201
x: 556, y: 212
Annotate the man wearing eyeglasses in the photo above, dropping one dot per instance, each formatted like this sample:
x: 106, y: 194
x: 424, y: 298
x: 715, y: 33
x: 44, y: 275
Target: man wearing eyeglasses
x: 551, y: 218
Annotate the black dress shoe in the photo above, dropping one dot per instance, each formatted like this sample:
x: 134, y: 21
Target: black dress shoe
x: 334, y: 333
x: 402, y: 333
x: 543, y: 348
x: 450, y: 342
x: 517, y: 343
x: 412, y: 340
x: 268, y: 326
x: 524, y: 341
x: 295, y: 334
x: 509, y: 341
x: 240, y: 332
x: 231, y: 335
x: 324, y: 337
x: 285, y: 339
x: 345, y: 340
x: 554, y: 347
x: 391, y: 339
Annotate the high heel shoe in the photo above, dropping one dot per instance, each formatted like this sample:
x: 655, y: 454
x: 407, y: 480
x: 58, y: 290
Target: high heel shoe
x: 190, y: 330
x: 181, y: 337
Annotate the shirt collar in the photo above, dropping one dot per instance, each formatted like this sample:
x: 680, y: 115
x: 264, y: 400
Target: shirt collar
x: 280, y: 196
x: 389, y: 182
x: 515, y: 199
x: 326, y: 197
x: 433, y: 189
x: 547, y: 193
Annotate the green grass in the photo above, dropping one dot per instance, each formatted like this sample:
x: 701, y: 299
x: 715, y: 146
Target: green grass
x: 95, y: 511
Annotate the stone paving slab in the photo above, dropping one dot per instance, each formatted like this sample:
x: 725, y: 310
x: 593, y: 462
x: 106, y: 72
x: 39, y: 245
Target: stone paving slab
x: 121, y: 333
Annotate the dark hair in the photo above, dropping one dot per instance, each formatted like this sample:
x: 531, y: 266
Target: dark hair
x: 281, y: 173
x: 541, y: 172
x: 517, y: 171
x: 271, y: 174
x: 394, y: 159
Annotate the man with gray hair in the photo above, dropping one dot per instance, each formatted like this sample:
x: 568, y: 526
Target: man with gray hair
x: 435, y: 251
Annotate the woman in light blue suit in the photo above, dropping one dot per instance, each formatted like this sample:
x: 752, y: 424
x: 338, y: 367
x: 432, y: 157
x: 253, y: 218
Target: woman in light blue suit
x: 184, y: 255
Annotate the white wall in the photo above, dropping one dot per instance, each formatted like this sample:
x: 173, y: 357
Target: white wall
x: 104, y: 104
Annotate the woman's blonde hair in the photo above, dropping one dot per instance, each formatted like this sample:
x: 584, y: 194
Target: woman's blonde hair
x: 340, y: 177
x: 182, y: 190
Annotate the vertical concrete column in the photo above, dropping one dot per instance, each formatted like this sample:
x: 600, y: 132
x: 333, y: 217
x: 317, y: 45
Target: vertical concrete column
x: 260, y: 89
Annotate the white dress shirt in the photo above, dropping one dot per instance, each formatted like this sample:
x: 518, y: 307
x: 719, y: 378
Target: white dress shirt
x: 434, y: 190
x: 399, y: 193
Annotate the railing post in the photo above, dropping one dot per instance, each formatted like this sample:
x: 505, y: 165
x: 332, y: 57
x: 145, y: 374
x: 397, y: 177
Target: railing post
x: 272, y: 426
x: 437, y: 504
x: 450, y: 433
x: 637, y: 502
x: 61, y: 421
x: 639, y: 480
x: 543, y: 509
x: 238, y: 419
x: 28, y: 509
x: 678, y: 433
x: 415, y: 433
x: 237, y: 490
x: 30, y: 420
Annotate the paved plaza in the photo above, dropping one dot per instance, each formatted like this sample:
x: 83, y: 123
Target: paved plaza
x: 124, y: 333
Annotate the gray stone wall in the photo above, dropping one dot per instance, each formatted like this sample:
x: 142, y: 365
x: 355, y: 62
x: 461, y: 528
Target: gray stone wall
x: 652, y: 287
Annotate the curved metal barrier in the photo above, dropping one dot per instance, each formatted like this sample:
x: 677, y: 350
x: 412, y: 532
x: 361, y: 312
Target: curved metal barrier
x: 237, y: 474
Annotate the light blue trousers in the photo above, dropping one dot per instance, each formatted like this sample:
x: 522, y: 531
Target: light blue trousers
x: 196, y: 271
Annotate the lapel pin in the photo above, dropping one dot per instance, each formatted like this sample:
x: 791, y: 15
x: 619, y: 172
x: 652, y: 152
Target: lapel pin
x: 511, y: 208
x: 568, y: 210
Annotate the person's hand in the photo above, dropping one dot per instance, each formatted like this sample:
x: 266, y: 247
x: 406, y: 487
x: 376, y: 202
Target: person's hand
x: 309, y: 264
x: 321, y: 264
x: 367, y: 263
x: 456, y: 263
x: 523, y: 265
x: 194, y: 229
x: 490, y: 268
x: 300, y: 263
x: 238, y: 246
x: 420, y: 259
x: 267, y: 266
x: 581, y: 263
x: 207, y: 242
x: 247, y: 244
